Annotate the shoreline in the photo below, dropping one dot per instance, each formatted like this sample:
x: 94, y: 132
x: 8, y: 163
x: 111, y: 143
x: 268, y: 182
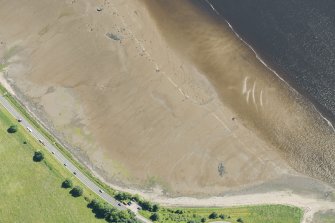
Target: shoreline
x: 316, y: 125
x: 330, y: 124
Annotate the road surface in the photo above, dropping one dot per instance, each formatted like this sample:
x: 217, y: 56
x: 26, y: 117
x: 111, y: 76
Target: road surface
x: 63, y: 160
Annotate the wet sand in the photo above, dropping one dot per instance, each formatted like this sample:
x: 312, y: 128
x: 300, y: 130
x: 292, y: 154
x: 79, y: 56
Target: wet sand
x: 186, y: 106
x: 262, y: 99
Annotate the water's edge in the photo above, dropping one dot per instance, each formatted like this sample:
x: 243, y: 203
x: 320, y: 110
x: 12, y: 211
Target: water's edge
x: 326, y: 115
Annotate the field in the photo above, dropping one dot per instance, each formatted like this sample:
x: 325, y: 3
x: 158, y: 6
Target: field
x: 31, y: 191
x: 249, y: 214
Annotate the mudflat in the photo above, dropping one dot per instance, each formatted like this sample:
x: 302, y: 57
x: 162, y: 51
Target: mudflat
x: 176, y: 102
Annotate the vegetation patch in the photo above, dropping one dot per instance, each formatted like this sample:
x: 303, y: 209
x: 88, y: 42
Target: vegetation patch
x: 2, y: 67
x: 246, y: 214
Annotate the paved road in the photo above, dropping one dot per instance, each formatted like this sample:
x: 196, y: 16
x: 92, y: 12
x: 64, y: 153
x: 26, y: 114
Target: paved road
x: 62, y: 159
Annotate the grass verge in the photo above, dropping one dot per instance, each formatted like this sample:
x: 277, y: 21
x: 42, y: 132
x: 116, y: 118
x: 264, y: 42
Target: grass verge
x: 246, y: 214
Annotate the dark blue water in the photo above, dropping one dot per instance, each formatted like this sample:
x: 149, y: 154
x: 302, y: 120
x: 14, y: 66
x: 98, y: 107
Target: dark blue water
x: 295, y: 37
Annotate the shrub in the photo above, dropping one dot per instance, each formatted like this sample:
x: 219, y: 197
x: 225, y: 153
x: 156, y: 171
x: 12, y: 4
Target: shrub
x: 146, y: 205
x: 67, y: 183
x: 12, y: 129
x: 239, y: 220
x: 121, y: 196
x: 102, y: 210
x: 117, y: 216
x: 38, y: 156
x: 203, y: 220
x: 222, y: 216
x: 154, y: 217
x: 155, y: 207
x: 93, y: 204
x: 179, y: 211
x: 213, y: 215
x: 77, y: 191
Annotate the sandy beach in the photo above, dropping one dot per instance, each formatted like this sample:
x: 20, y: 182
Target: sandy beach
x: 177, y: 104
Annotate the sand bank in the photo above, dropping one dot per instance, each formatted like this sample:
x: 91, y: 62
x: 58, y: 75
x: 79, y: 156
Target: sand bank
x: 277, y: 112
x: 141, y: 113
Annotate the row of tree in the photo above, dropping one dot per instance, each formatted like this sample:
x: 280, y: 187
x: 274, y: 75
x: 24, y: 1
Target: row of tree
x: 76, y: 191
x: 102, y: 210
x: 215, y: 215
x: 111, y: 214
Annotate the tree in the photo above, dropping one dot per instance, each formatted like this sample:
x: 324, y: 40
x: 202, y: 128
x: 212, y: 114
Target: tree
x: 155, y: 207
x: 67, y: 183
x: 146, y: 205
x: 102, y: 210
x: 77, y: 191
x: 38, y: 156
x: 203, y: 220
x: 12, y: 129
x: 154, y: 217
x: 222, y: 216
x: 213, y: 215
x: 239, y: 220
x: 122, y: 216
x: 93, y: 204
x: 121, y: 196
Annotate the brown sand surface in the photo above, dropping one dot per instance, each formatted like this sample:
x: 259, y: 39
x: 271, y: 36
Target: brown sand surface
x: 264, y: 101
x: 139, y: 112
